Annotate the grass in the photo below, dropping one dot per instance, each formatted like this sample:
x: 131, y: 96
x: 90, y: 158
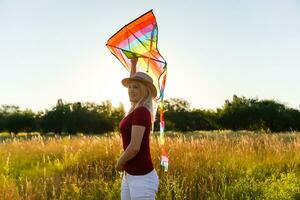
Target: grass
x: 203, y: 165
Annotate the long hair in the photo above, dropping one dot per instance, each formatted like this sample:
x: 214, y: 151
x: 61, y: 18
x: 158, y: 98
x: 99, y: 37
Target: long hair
x: 145, y: 101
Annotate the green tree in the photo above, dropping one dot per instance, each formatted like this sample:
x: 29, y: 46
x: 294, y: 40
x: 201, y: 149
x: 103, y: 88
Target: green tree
x: 20, y: 122
x: 56, y: 119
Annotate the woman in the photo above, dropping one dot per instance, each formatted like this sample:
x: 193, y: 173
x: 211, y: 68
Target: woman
x: 140, y: 180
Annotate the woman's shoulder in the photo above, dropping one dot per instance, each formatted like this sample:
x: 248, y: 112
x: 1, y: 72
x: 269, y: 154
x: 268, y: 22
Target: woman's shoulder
x: 141, y: 116
x: 138, y: 110
x: 141, y: 109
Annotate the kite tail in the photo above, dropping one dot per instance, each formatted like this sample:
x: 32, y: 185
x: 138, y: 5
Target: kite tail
x: 164, y: 154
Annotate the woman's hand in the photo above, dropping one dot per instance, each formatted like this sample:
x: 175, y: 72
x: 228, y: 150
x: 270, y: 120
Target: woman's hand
x: 119, y: 166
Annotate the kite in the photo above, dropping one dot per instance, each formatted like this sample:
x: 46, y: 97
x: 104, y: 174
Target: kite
x: 138, y: 39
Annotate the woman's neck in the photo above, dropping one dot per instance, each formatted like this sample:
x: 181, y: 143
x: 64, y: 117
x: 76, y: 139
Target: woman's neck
x: 133, y: 104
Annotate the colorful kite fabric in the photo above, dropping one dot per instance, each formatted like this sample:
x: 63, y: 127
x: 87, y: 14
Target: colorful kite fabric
x: 138, y: 39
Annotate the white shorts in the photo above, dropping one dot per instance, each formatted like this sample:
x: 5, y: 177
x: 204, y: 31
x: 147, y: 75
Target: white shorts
x: 141, y: 187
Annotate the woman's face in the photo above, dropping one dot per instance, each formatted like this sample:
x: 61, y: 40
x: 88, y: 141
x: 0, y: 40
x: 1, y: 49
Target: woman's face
x: 135, y: 91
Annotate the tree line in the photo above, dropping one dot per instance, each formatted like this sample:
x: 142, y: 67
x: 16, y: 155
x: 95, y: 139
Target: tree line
x: 71, y: 118
x: 239, y: 113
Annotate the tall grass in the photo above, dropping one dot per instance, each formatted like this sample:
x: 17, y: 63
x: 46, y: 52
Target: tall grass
x: 203, y: 165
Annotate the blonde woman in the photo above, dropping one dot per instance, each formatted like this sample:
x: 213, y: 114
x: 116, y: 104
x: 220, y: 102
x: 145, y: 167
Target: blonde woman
x: 140, y: 180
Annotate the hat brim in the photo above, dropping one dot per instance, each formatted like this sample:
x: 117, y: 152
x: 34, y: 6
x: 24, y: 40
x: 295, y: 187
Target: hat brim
x: 126, y: 81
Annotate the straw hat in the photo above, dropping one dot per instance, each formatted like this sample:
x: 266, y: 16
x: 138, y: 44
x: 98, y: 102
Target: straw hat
x: 142, y: 78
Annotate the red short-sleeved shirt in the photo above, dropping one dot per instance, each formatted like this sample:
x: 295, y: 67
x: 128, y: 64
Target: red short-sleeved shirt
x: 141, y: 164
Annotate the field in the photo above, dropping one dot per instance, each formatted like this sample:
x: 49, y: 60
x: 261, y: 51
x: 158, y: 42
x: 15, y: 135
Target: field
x: 203, y: 165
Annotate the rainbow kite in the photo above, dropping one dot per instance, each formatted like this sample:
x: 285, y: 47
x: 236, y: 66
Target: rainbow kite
x: 139, y: 39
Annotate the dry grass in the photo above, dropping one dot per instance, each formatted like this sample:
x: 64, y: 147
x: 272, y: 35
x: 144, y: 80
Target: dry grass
x: 203, y: 165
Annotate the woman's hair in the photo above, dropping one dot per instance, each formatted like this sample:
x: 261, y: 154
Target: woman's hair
x: 146, y: 101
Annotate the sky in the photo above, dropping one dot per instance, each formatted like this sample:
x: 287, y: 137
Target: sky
x: 55, y: 49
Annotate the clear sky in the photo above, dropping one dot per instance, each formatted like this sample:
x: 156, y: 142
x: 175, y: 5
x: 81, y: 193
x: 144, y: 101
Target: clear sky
x: 51, y: 49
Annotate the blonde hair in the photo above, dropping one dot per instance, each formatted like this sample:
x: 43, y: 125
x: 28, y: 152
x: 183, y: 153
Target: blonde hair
x: 146, y: 101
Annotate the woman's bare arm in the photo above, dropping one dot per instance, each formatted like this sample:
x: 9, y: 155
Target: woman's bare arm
x: 133, y: 66
x: 137, y: 133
